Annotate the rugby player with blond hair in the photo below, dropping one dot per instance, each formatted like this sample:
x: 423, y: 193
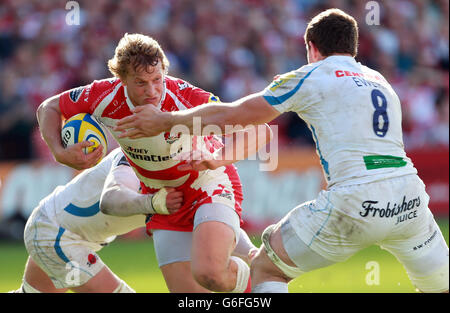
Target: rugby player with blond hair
x: 194, y: 246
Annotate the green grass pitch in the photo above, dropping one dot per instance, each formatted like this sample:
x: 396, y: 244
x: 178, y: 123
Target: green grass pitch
x: 135, y: 262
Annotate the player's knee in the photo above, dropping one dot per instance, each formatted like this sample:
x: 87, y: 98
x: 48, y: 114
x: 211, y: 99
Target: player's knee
x: 435, y: 282
x: 210, y: 278
x: 211, y: 275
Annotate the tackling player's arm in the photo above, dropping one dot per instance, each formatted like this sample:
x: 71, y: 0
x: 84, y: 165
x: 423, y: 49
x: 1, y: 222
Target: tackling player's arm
x: 238, y: 146
x: 149, y: 121
x: 250, y: 110
x: 120, y: 197
x: 49, y: 118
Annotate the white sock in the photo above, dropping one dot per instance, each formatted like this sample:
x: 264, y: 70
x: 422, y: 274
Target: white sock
x: 123, y: 288
x: 271, y: 287
x: 27, y: 288
x: 243, y: 274
x: 243, y: 246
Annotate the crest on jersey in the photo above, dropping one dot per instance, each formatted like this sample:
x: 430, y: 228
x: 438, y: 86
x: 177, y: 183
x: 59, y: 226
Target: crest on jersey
x: 76, y: 93
x: 184, y: 85
x: 170, y: 139
x: 213, y: 98
x: 226, y: 194
x: 223, y: 192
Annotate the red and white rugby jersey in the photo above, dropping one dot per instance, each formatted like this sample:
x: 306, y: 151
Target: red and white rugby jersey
x: 151, y: 157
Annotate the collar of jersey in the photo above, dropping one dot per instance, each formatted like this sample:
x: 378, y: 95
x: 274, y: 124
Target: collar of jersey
x: 340, y: 57
x: 131, y: 105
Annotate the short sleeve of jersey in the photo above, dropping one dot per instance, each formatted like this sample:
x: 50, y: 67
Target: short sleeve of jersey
x: 198, y: 96
x: 85, y: 99
x: 189, y: 95
x: 288, y: 92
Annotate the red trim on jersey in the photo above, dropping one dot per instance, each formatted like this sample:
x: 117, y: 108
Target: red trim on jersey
x: 168, y: 104
x: 118, y: 108
x: 170, y: 173
x: 249, y: 286
x: 232, y: 173
x: 193, y: 176
x: 183, y: 219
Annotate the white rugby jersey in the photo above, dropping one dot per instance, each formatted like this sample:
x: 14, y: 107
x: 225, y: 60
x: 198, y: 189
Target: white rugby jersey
x: 75, y: 206
x: 354, y: 115
x: 152, y: 158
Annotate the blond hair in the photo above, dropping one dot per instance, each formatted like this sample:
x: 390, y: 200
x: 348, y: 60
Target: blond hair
x: 139, y: 51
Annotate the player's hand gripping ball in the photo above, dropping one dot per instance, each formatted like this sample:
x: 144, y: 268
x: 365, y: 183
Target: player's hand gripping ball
x: 83, y: 127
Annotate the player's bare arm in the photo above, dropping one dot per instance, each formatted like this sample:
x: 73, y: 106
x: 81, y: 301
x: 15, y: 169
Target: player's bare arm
x: 149, y: 121
x: 50, y: 122
x: 238, y: 146
x: 120, y: 197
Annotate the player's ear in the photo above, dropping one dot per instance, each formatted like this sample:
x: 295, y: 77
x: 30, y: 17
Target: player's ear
x: 313, y: 52
x: 309, y: 51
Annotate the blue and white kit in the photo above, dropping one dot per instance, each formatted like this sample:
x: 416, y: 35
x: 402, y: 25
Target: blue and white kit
x: 374, y: 195
x: 67, y: 228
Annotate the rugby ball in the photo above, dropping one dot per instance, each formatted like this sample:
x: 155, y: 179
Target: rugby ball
x: 83, y: 127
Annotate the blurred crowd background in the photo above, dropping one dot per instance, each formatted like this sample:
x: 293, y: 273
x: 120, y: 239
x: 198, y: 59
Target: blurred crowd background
x: 231, y: 48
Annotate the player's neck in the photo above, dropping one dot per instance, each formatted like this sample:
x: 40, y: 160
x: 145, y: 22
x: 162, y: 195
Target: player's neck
x: 340, y: 54
x: 321, y: 57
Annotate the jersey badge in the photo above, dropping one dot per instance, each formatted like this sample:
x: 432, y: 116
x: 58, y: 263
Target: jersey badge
x: 213, y: 98
x: 170, y: 139
x: 280, y: 81
x: 183, y: 85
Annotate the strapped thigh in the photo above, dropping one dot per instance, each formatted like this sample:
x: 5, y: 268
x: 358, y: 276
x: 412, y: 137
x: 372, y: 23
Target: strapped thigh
x: 289, y: 271
x: 219, y: 213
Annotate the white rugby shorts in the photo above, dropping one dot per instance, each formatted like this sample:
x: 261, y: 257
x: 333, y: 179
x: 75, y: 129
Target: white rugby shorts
x: 392, y: 213
x: 69, y: 260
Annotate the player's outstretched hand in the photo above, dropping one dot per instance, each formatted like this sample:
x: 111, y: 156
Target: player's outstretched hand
x: 197, y: 161
x: 146, y: 121
x: 174, y: 200
x: 74, y: 156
